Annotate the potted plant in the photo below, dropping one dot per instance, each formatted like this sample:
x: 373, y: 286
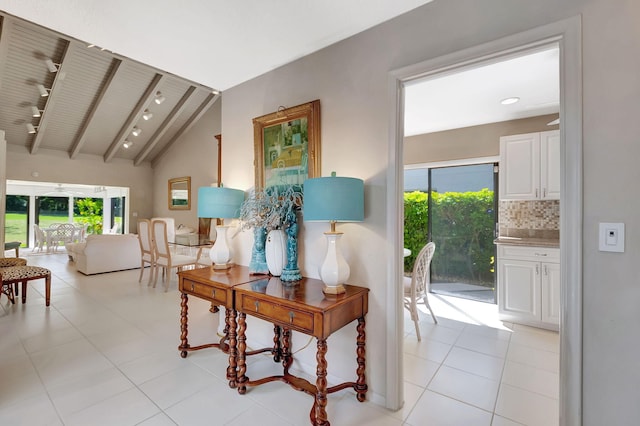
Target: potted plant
x: 271, y: 213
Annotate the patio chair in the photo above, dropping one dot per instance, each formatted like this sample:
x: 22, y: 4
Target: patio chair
x: 40, y: 238
x: 416, y: 287
x: 64, y: 233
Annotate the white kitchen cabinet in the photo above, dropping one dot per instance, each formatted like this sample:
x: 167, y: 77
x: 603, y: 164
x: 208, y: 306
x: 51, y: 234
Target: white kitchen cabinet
x: 530, y: 166
x: 529, y: 285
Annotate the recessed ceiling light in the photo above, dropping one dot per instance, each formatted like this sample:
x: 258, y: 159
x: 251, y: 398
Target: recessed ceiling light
x: 509, y: 101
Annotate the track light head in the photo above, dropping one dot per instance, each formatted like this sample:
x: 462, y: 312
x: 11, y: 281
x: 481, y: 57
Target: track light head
x: 159, y: 97
x: 147, y: 115
x: 52, y: 66
x: 35, y: 112
x: 31, y: 128
x: 127, y: 144
x: 44, y: 92
x: 136, y: 131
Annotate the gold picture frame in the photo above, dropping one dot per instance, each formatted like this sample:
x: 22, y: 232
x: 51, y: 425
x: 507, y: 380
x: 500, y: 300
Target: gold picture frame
x: 287, y: 145
x: 179, y: 193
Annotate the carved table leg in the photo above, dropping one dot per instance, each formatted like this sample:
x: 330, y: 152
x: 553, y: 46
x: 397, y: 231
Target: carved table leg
x: 232, y: 373
x: 287, y: 358
x: 184, y: 344
x: 321, y: 384
x: 242, y: 347
x: 224, y: 347
x: 361, y: 383
x: 277, y: 348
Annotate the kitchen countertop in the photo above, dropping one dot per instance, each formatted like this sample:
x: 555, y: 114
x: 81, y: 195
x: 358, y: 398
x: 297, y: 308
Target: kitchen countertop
x: 536, y: 242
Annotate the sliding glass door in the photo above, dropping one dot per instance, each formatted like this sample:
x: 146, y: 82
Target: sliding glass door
x: 460, y: 217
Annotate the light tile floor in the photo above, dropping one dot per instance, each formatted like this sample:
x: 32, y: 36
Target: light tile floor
x: 105, y: 353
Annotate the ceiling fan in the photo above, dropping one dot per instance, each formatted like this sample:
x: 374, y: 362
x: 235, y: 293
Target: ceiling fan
x: 61, y: 191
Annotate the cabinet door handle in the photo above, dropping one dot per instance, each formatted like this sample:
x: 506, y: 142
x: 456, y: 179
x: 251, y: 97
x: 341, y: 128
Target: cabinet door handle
x: 213, y: 293
x: 291, y: 315
x: 192, y: 287
x: 544, y: 193
x: 536, y: 192
x: 546, y: 271
x: 542, y: 254
x: 257, y: 305
x: 537, y: 269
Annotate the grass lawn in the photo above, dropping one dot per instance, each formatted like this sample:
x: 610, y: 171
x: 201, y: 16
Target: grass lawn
x: 16, y: 225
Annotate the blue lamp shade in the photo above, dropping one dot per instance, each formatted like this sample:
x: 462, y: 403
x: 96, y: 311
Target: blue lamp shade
x: 333, y: 199
x: 214, y: 202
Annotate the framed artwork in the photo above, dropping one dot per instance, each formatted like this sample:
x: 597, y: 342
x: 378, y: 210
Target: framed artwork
x: 179, y: 193
x: 287, y: 145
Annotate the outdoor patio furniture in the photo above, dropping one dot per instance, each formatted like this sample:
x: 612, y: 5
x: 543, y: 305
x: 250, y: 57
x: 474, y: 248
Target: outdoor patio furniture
x: 416, y: 287
x: 13, y: 245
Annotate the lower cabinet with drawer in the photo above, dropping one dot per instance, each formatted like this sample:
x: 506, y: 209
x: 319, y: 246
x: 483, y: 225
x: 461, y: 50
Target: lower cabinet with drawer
x: 529, y: 285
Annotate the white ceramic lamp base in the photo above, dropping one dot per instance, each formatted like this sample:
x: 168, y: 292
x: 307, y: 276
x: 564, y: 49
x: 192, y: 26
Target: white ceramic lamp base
x: 334, y: 270
x: 221, y: 254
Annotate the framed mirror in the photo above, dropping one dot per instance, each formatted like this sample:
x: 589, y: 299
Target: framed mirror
x: 180, y: 193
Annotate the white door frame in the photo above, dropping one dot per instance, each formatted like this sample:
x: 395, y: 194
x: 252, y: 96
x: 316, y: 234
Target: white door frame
x: 567, y: 34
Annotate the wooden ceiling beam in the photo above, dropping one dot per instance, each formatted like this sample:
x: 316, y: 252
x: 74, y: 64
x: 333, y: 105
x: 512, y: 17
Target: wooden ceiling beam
x: 133, y: 118
x: 204, y: 106
x: 56, y: 89
x: 82, y: 135
x: 173, y: 116
x: 4, y: 43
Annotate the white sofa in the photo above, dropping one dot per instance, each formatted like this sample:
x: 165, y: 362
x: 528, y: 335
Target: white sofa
x: 105, y: 253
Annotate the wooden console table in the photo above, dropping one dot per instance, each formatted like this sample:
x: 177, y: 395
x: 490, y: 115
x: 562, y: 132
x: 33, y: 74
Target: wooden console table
x: 305, y: 308
x: 216, y: 286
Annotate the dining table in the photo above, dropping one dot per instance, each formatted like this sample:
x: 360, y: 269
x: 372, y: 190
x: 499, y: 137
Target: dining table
x: 52, y: 230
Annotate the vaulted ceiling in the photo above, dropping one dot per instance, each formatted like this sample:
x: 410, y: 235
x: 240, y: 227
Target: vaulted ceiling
x: 95, y: 98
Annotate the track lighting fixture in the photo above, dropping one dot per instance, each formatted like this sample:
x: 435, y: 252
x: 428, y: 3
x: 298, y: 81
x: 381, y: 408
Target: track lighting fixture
x: 35, y: 112
x: 31, y: 128
x: 159, y: 97
x: 147, y: 115
x: 44, y: 92
x: 136, y: 131
x: 215, y: 92
x: 127, y: 144
x: 53, y: 67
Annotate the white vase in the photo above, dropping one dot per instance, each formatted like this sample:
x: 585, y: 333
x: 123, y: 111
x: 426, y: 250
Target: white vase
x: 276, y: 251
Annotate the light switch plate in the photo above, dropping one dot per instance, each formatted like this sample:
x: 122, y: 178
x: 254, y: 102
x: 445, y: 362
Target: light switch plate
x: 611, y: 237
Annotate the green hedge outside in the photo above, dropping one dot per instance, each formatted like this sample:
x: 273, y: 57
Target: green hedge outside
x: 464, y: 226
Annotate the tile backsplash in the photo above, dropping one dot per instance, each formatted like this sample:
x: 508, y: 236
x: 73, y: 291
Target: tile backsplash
x: 537, y: 219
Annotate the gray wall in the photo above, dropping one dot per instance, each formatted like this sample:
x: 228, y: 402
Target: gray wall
x: 195, y: 154
x: 469, y: 142
x: 350, y: 79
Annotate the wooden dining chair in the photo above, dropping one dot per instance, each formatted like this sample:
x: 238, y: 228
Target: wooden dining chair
x: 147, y: 251
x: 164, y: 258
